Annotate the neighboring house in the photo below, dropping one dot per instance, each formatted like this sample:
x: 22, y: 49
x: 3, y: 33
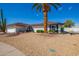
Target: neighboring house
x: 18, y: 27
x: 73, y: 29
x: 51, y: 26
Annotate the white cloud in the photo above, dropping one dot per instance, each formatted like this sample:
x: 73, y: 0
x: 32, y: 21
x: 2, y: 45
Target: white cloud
x: 37, y: 15
x: 69, y: 8
x: 60, y: 8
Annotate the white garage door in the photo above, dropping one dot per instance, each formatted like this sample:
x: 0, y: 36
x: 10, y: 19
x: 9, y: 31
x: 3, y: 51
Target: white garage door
x: 11, y: 30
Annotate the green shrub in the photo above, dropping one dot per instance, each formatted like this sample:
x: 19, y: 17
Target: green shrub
x: 40, y: 31
x: 52, y: 31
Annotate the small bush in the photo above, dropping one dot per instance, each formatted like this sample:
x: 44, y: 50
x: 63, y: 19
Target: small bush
x: 51, y: 31
x: 40, y: 31
x: 62, y: 29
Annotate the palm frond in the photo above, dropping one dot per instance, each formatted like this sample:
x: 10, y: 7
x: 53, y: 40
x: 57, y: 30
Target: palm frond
x: 38, y: 8
x: 56, y: 7
x: 47, y: 6
x: 49, y: 9
x: 36, y: 4
x: 58, y: 4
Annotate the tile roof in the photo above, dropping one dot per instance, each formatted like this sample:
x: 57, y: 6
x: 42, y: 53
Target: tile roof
x: 49, y: 23
x: 18, y: 25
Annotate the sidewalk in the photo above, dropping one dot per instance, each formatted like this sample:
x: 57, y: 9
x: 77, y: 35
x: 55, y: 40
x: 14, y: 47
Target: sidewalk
x: 7, y: 50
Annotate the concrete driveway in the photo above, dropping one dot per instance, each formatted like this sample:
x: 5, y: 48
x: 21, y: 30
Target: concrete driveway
x: 7, y: 50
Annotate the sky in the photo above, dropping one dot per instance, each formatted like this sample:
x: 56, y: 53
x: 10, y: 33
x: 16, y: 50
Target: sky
x: 23, y: 13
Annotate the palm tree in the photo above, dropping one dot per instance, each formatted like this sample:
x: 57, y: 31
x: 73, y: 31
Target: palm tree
x: 2, y: 22
x: 45, y: 7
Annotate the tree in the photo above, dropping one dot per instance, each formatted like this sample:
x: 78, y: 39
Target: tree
x: 45, y: 7
x: 2, y: 22
x: 68, y: 23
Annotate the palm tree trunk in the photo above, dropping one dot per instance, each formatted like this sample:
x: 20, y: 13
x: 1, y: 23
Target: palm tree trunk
x: 45, y: 21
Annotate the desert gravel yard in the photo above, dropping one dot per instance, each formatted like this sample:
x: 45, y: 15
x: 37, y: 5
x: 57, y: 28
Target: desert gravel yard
x: 41, y: 44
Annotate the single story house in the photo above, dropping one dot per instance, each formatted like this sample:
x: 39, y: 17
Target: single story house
x: 51, y: 26
x: 18, y: 27
x: 21, y: 27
